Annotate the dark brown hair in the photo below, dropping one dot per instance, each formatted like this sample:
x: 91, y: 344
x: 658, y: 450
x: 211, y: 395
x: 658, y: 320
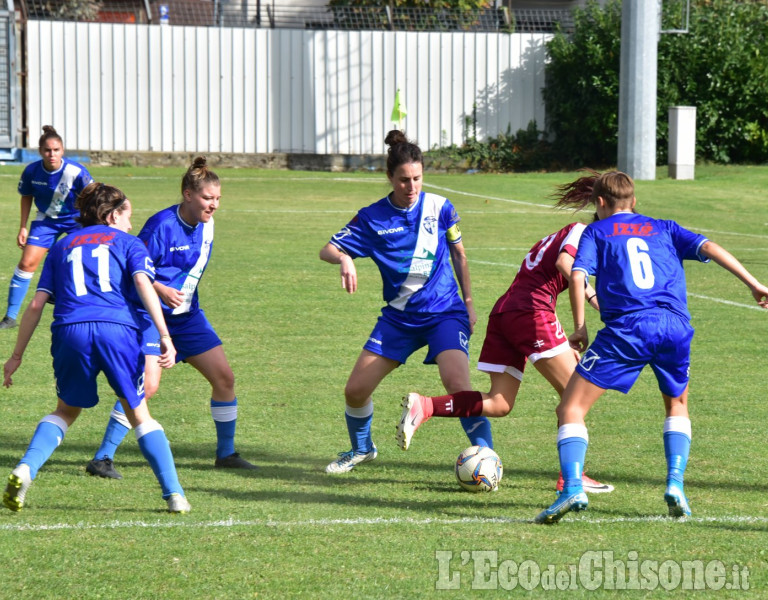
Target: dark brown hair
x: 198, y: 175
x: 96, y: 202
x: 49, y: 133
x: 577, y: 194
x: 401, y: 151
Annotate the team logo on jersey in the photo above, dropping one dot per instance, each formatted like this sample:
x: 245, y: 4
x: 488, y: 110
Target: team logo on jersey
x: 464, y: 340
x: 589, y: 359
x: 429, y: 224
x: 63, y: 188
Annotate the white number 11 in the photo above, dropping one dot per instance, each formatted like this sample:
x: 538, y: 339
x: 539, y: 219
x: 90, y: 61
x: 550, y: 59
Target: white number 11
x: 101, y: 254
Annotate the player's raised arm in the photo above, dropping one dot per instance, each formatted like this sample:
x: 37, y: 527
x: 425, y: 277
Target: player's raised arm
x: 730, y: 263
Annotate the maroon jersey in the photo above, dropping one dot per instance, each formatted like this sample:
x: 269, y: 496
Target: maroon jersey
x: 538, y: 282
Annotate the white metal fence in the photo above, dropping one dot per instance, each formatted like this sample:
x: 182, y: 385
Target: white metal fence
x: 205, y: 89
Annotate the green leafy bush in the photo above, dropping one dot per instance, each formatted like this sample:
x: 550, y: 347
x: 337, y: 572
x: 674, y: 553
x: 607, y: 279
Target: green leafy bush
x: 526, y: 150
x: 720, y: 66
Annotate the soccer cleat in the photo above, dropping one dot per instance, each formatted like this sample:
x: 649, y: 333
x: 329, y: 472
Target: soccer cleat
x: 677, y: 502
x: 411, y: 419
x: 102, y: 467
x: 349, y: 460
x: 233, y: 461
x: 590, y: 485
x: 178, y: 504
x: 18, y: 483
x: 8, y: 323
x: 563, y: 505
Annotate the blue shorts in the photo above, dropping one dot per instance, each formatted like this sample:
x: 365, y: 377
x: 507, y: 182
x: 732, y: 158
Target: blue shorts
x: 44, y: 232
x: 191, y: 332
x: 398, y: 340
x: 658, y: 338
x: 83, y: 350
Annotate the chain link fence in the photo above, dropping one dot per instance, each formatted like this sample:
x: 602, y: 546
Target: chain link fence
x: 254, y: 13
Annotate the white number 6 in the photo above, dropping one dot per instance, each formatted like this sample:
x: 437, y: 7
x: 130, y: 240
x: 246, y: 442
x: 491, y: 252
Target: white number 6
x: 640, y: 262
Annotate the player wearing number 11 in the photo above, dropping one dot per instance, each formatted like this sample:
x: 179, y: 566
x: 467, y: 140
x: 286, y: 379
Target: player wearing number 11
x: 640, y: 284
x: 95, y: 330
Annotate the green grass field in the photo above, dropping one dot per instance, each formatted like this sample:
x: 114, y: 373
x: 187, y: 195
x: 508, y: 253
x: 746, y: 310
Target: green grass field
x: 399, y: 527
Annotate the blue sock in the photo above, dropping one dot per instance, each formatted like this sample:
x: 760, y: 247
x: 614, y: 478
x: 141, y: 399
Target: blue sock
x: 677, y: 445
x: 359, y: 427
x: 572, y: 442
x: 478, y: 430
x: 225, y: 417
x: 49, y: 434
x: 117, y: 428
x: 17, y: 290
x: 156, y: 449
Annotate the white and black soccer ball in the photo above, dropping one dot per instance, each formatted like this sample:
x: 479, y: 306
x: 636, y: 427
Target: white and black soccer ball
x: 479, y: 469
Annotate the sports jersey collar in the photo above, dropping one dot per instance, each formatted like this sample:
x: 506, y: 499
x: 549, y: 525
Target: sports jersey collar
x: 410, y: 208
x: 184, y: 224
x: 63, y: 164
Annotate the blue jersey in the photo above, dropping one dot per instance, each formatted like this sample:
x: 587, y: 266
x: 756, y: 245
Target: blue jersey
x: 180, y: 252
x: 54, y: 192
x: 90, y: 273
x: 638, y: 263
x: 411, y: 248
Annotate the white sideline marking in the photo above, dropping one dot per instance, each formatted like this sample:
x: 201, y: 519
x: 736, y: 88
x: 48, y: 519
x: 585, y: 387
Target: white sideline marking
x: 729, y: 302
x: 362, y: 522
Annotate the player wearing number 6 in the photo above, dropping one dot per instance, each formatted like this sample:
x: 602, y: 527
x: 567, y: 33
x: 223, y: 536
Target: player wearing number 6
x: 640, y: 284
x: 95, y: 330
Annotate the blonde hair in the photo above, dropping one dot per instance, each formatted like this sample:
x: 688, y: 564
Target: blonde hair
x: 198, y: 175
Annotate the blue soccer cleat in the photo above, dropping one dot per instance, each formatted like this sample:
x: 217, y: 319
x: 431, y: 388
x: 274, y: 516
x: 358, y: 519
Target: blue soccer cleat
x: 564, y: 504
x: 677, y: 502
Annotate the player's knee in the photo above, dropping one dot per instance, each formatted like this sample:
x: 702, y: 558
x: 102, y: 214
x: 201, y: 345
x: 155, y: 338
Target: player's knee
x: 355, y: 395
x: 500, y: 406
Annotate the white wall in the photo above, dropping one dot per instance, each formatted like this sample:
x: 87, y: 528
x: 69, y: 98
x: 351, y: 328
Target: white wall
x: 205, y: 89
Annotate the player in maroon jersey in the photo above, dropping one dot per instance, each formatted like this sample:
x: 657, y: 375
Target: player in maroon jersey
x: 523, y: 326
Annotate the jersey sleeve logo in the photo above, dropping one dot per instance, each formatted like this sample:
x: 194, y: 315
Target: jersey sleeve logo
x: 342, y: 234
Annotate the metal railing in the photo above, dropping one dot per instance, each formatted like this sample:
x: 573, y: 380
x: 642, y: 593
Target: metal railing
x: 255, y: 13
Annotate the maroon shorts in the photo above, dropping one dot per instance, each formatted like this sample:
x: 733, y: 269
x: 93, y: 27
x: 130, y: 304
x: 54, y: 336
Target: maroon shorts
x: 512, y: 338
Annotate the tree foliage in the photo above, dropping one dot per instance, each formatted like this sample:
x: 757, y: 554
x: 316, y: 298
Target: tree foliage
x: 720, y: 66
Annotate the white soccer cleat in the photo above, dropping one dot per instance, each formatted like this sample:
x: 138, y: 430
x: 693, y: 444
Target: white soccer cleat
x: 178, y: 504
x: 349, y: 460
x: 411, y: 419
x: 18, y: 483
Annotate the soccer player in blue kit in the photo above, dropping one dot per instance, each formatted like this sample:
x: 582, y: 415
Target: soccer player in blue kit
x: 53, y: 183
x: 640, y: 284
x: 180, y: 240
x: 95, y: 329
x: 410, y: 235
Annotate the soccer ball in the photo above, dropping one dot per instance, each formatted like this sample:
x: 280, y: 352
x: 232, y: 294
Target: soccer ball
x: 479, y: 469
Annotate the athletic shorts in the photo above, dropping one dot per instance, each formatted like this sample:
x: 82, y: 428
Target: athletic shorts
x: 191, y: 332
x: 44, y: 231
x: 398, y: 340
x: 83, y: 350
x: 512, y: 338
x: 658, y: 338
